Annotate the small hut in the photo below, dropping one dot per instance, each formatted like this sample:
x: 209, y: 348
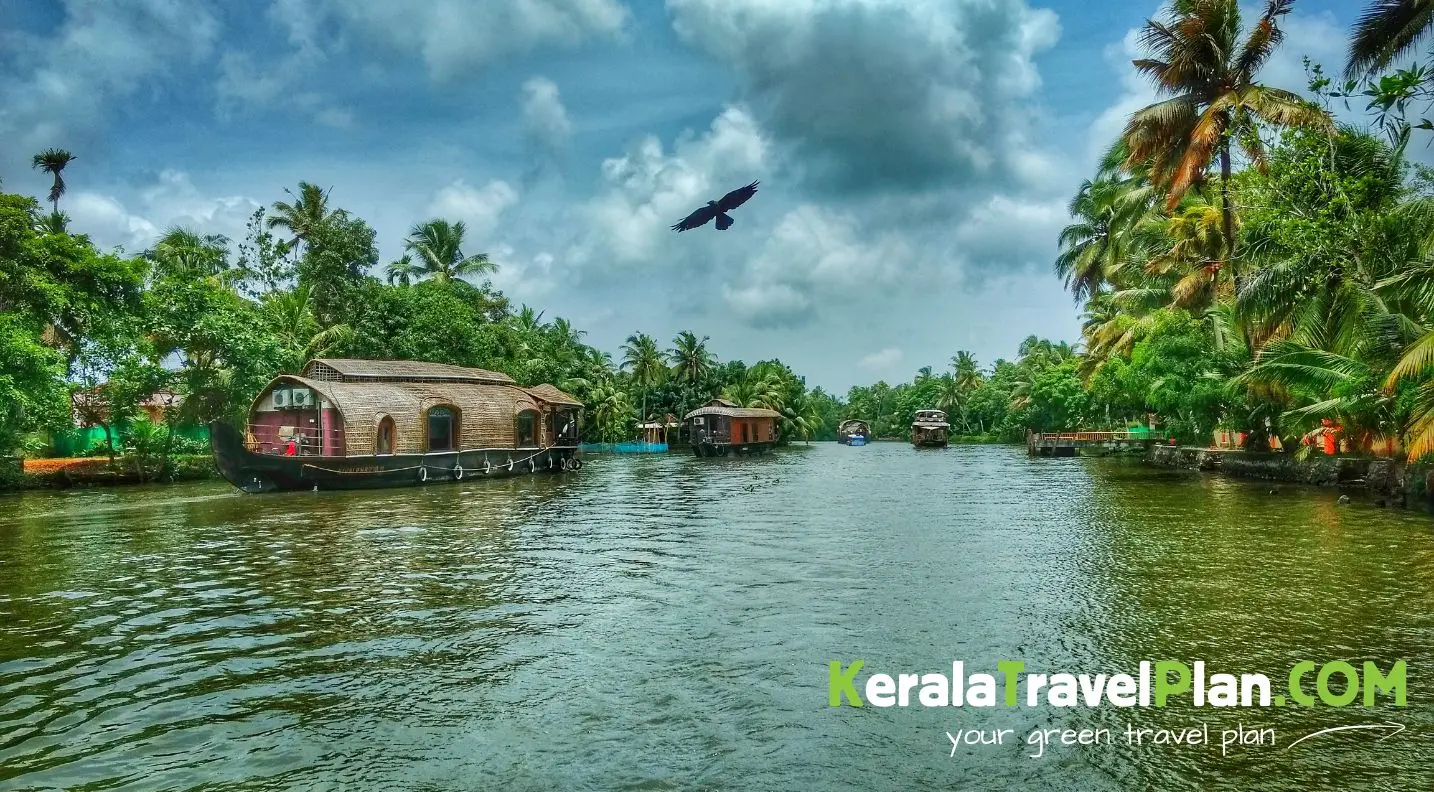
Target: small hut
x: 720, y: 427
x: 655, y: 432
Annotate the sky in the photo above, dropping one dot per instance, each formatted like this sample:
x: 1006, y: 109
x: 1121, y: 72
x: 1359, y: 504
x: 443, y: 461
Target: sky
x: 915, y: 156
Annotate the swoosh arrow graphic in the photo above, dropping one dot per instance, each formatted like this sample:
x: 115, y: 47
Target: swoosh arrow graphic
x: 1397, y: 728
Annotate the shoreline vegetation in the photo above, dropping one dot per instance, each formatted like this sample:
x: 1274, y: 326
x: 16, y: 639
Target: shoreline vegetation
x: 1244, y: 264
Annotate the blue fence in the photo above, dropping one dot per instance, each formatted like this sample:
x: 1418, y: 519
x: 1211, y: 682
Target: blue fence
x: 623, y: 448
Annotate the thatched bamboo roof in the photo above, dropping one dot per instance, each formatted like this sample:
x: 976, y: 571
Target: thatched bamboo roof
x: 734, y: 412
x: 345, y: 369
x: 552, y: 395
x: 486, y: 404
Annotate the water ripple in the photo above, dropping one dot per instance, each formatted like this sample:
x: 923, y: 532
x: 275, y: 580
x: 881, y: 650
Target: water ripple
x: 665, y: 623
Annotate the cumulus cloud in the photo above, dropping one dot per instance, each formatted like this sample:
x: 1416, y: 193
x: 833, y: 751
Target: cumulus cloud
x: 545, y: 120
x: 884, y: 360
x: 57, y: 90
x: 456, y: 36
x: 480, y: 208
x: 170, y: 200
x: 883, y: 94
x: 647, y: 190
x: 817, y: 256
x: 271, y: 81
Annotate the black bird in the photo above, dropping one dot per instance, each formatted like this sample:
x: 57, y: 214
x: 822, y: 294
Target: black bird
x: 718, y: 209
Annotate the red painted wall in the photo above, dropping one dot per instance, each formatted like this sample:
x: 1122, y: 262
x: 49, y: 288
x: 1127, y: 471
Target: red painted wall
x: 265, y: 428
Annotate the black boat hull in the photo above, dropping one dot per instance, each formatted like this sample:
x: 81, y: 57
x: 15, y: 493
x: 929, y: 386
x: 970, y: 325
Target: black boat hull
x: 723, y: 449
x: 257, y: 473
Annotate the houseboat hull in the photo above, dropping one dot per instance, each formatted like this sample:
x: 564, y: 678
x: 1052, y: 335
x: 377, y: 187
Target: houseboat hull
x: 256, y: 473
x: 704, y: 449
x: 930, y: 443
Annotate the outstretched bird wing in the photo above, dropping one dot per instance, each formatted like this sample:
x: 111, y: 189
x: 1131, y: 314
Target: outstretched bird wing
x: 737, y: 197
x: 696, y: 219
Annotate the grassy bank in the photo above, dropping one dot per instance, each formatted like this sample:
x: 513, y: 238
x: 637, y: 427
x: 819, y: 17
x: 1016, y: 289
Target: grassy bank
x: 18, y: 474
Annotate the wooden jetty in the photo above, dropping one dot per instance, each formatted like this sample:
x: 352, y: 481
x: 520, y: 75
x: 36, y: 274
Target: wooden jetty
x: 1067, y: 444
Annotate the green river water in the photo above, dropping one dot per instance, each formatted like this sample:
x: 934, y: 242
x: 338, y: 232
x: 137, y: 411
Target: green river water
x: 666, y: 622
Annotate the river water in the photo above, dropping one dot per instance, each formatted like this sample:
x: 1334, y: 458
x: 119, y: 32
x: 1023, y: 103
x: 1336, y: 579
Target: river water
x: 667, y: 622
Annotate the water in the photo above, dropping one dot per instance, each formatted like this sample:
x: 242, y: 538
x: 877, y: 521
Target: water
x: 664, y: 622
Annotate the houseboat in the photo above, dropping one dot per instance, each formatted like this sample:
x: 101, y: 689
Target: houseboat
x: 358, y: 424
x: 929, y: 429
x: 853, y: 432
x: 721, y: 427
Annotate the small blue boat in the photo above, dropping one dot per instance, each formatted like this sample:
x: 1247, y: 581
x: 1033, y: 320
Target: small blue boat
x: 849, y: 432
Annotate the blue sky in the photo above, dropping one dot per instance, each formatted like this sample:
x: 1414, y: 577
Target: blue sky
x: 915, y: 155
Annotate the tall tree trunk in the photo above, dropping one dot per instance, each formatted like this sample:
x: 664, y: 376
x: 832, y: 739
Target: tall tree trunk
x: 1227, y: 212
x: 109, y: 441
x: 1227, y: 222
x: 169, y: 445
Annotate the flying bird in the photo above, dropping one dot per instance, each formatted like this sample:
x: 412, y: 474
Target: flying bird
x: 718, y: 209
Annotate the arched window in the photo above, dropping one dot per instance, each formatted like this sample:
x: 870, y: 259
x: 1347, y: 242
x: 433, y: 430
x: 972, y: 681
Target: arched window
x: 527, y: 429
x: 387, y: 436
x: 442, y: 428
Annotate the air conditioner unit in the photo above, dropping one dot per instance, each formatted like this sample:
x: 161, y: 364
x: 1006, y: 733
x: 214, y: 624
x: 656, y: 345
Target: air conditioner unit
x: 302, y: 398
x: 281, y: 398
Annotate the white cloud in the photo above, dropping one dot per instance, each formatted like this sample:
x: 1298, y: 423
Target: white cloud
x: 649, y: 190
x: 480, y: 208
x: 885, y: 360
x: 57, y: 90
x: 456, y: 36
x: 817, y: 256
x: 171, y: 200
x: 545, y: 120
x: 524, y: 279
x: 1005, y: 233
x: 272, y: 81
x: 894, y: 94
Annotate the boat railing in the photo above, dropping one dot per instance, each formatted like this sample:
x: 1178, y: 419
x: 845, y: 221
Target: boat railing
x: 1091, y: 437
x: 307, y: 441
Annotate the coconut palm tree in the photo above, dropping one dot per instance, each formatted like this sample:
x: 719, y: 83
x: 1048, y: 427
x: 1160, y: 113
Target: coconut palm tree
x: 438, y: 244
x: 180, y: 251
x: 967, y: 373
x: 302, y: 218
x: 54, y: 223
x: 296, y: 326
x: 643, y: 360
x: 1095, y: 246
x: 53, y: 162
x: 1387, y: 30
x: 402, y: 272
x: 691, y: 362
x: 1208, y: 70
x: 527, y: 319
x: 611, y: 409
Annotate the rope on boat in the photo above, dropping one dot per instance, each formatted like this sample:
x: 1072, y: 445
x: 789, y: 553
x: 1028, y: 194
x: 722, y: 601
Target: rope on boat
x: 529, y: 459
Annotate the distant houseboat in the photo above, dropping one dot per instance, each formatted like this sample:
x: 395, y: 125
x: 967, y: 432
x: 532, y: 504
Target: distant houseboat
x: 721, y: 427
x: 356, y: 424
x: 853, y: 432
x: 929, y: 430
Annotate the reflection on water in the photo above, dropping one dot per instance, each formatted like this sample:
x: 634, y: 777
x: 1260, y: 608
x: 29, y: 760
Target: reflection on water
x: 665, y: 622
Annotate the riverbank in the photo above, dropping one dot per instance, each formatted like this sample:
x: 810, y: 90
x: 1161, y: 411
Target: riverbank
x: 31, y: 474
x: 1387, y: 481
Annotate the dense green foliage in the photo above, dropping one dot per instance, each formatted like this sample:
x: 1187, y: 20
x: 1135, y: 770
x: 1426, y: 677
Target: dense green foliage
x: 1242, y: 264
x: 92, y: 335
